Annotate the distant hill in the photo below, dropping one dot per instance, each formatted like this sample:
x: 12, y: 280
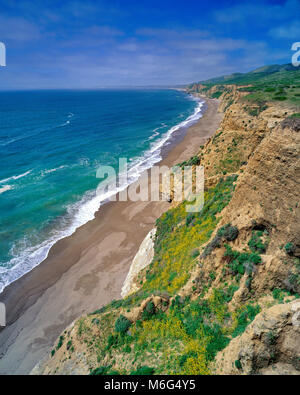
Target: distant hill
x: 266, y: 83
x: 252, y: 76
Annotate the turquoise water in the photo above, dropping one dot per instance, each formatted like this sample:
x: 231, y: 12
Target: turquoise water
x: 51, y: 144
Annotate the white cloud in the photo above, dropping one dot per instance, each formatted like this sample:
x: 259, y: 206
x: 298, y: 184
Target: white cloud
x: 290, y: 31
x: 102, y: 55
x: 18, y: 29
x: 261, y: 11
x: 171, y: 33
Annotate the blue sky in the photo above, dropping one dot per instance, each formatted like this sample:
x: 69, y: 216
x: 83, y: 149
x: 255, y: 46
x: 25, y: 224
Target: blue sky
x: 104, y: 43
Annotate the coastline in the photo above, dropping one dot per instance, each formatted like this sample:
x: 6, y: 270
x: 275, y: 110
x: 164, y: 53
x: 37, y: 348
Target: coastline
x: 87, y: 269
x: 83, y: 210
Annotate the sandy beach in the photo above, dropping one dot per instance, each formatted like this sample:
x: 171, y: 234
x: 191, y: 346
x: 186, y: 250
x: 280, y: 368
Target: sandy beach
x: 86, y: 270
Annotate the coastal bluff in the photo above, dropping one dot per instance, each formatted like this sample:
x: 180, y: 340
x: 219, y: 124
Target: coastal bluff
x: 221, y: 293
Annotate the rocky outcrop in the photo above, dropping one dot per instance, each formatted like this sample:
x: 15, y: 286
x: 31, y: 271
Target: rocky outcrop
x: 291, y: 123
x: 269, y: 346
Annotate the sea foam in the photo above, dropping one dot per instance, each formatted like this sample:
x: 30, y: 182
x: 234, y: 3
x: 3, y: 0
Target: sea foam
x: 84, y: 210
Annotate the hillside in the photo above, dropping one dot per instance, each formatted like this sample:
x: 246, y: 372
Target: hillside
x: 221, y: 292
x: 286, y: 73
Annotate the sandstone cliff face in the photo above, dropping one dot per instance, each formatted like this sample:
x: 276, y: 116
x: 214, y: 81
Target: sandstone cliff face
x: 254, y: 250
x: 264, y: 150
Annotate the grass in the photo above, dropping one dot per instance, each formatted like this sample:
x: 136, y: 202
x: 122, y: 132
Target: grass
x: 185, y: 340
x: 177, y: 238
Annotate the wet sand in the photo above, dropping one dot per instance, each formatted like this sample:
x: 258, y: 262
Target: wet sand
x: 86, y: 270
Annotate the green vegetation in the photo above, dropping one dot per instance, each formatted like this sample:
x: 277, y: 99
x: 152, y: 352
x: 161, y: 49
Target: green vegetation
x: 103, y: 371
x: 69, y: 345
x: 195, y: 253
x: 289, y: 248
x: 238, y: 364
x: 174, y: 241
x: 60, y: 342
x: 183, y: 340
x: 241, y: 262
x: 278, y: 294
x: 179, y: 334
x: 228, y: 232
x: 217, y: 94
x: 266, y: 84
x: 144, y: 370
x: 122, y: 324
x: 186, y: 336
x: 260, y: 106
x: 256, y: 242
x: 194, y: 161
x: 149, y: 311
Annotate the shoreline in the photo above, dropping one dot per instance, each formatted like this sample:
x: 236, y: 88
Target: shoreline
x: 153, y: 155
x: 87, y: 269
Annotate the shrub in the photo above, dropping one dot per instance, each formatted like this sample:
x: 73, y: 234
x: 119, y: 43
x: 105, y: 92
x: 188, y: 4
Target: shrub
x: 215, y: 243
x: 69, y: 344
x: 227, y: 232
x: 238, y: 364
x: 240, y: 261
x: 212, y: 275
x: 244, y: 316
x: 270, y: 89
x: 149, y: 311
x: 102, y: 370
x: 271, y: 338
x: 127, y: 349
x: 193, y: 161
x: 144, y: 370
x: 122, y: 324
x: 289, y: 248
x: 256, y: 244
x: 112, y: 341
x: 60, y: 342
x: 230, y: 233
x: 278, y: 294
x: 279, y: 98
x: 95, y: 321
x: 189, y: 219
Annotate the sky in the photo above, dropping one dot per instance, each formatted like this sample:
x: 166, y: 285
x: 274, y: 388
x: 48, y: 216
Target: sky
x: 85, y: 44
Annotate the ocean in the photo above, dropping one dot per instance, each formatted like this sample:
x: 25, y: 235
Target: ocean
x: 51, y: 145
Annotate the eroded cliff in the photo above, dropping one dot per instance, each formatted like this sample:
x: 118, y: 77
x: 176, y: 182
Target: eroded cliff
x: 221, y: 294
